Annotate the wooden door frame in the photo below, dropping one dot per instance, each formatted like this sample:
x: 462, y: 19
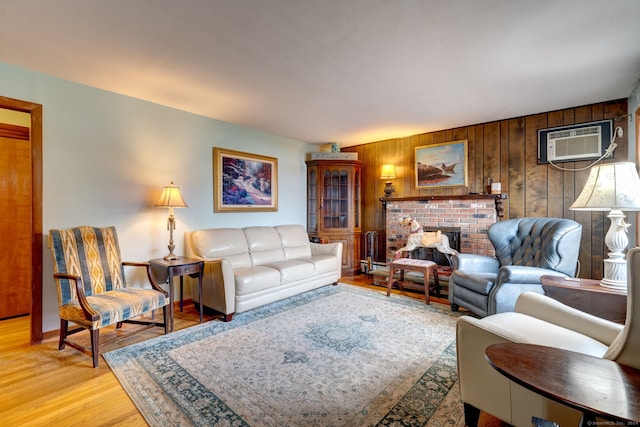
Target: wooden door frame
x: 35, y: 110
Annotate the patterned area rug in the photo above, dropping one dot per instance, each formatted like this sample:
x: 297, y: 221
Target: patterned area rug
x: 336, y: 356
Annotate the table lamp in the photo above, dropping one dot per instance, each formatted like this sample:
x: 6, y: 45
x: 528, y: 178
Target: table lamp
x: 171, y: 198
x: 388, y: 173
x: 612, y: 187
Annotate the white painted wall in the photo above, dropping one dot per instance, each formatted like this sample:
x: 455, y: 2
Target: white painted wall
x: 107, y: 157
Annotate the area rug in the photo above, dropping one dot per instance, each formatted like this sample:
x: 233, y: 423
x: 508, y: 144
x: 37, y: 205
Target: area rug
x: 336, y: 356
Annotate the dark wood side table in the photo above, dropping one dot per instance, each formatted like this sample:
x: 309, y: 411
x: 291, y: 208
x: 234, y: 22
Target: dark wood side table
x: 587, y: 295
x: 165, y: 271
x: 597, y: 387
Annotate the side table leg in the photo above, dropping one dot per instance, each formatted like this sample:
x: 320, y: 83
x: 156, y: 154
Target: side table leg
x: 588, y: 419
x: 171, y: 300
x: 200, y: 294
x: 181, y: 292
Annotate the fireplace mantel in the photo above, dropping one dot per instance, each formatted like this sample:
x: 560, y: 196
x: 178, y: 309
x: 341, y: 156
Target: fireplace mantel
x: 499, y: 198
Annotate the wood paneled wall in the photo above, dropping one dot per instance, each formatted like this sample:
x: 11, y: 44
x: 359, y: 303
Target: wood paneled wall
x: 507, y: 151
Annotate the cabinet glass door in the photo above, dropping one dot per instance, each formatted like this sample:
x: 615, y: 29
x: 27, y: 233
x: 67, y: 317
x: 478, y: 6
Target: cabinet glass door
x: 335, y: 200
x: 357, y: 201
x: 312, y: 197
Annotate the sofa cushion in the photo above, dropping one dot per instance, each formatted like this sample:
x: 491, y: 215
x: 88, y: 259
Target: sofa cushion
x: 295, y: 241
x: 229, y: 243
x: 323, y: 263
x: 293, y: 270
x: 254, y: 279
x: 264, y: 245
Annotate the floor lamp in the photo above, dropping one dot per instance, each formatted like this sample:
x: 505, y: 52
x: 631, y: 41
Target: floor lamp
x: 612, y: 187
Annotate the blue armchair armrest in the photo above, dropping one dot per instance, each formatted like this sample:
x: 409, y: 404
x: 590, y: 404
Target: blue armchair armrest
x: 471, y: 263
x: 520, y: 274
x: 514, y: 280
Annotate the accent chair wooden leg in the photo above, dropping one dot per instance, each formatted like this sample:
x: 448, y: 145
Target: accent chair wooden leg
x: 64, y: 327
x: 119, y: 325
x: 95, y: 346
x: 227, y: 317
x: 455, y: 307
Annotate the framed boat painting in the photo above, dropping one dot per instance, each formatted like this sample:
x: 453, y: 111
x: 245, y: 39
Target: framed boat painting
x: 244, y: 182
x: 441, y: 165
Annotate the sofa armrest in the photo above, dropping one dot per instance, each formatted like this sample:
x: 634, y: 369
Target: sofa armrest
x: 521, y: 274
x: 218, y: 285
x: 472, y: 263
x: 552, y: 311
x: 334, y: 249
x: 511, y: 282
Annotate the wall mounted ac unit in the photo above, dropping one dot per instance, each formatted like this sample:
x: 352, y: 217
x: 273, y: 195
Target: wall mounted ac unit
x: 574, y: 143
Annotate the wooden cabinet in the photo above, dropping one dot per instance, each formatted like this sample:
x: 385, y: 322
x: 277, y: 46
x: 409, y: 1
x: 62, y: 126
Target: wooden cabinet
x: 334, y: 206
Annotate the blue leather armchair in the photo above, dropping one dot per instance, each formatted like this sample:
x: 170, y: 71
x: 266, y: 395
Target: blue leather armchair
x: 526, y: 249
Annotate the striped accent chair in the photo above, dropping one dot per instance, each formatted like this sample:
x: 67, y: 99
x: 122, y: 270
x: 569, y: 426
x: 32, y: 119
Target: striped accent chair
x: 92, y: 291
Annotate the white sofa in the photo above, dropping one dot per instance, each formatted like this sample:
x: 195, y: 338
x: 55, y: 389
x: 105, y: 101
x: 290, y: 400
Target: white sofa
x: 537, y: 319
x: 253, y: 266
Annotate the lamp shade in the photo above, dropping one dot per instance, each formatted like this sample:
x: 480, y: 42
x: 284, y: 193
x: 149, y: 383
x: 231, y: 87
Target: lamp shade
x: 610, y: 186
x: 388, y: 172
x: 171, y: 198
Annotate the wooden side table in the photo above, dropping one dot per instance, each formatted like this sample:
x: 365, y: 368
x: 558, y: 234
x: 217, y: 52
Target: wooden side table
x: 178, y: 267
x: 587, y: 295
x: 597, y: 387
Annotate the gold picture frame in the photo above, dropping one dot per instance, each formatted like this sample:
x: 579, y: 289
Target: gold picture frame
x: 441, y: 165
x: 244, y: 182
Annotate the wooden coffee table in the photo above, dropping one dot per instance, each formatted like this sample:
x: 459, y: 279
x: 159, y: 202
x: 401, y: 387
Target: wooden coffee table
x: 597, y: 387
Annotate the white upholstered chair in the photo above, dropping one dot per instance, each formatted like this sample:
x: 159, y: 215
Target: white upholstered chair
x: 538, y: 319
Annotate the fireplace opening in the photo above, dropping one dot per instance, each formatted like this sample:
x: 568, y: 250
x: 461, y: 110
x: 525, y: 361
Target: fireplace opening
x: 432, y: 254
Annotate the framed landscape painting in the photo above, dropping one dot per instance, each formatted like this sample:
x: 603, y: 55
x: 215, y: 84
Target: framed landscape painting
x: 441, y: 165
x: 244, y: 182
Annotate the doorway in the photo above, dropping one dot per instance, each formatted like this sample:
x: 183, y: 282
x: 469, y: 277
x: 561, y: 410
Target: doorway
x: 30, y: 166
x: 15, y: 205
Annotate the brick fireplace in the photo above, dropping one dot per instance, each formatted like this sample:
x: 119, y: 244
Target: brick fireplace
x: 472, y: 214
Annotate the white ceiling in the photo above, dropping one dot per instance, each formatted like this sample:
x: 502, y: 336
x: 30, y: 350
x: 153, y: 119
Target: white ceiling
x: 348, y: 71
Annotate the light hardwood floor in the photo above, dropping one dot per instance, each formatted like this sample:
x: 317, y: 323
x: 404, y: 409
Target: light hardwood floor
x: 42, y: 386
